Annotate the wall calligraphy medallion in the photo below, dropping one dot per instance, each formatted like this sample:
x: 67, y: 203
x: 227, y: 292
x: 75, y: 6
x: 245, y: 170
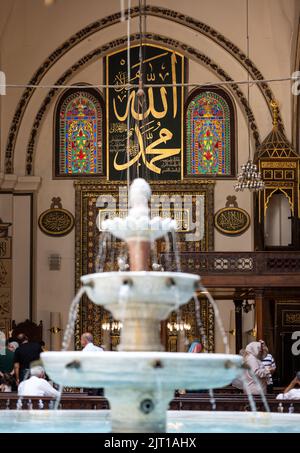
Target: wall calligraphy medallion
x: 232, y: 220
x: 56, y: 221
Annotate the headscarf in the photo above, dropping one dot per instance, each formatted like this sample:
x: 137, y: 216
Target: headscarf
x: 196, y: 346
x: 254, y: 348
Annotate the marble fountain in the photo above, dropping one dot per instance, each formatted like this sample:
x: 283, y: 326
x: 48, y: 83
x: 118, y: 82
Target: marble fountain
x: 139, y: 379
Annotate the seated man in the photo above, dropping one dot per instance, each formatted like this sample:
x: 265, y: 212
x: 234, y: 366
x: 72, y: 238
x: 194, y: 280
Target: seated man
x: 37, y: 385
x: 291, y: 393
x: 87, y: 343
x: 27, y: 352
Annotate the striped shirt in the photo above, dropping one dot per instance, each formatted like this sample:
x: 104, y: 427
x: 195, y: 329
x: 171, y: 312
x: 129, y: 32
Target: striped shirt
x: 269, y: 362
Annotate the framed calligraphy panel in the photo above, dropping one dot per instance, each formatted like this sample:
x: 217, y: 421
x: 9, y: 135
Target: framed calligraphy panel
x: 232, y: 220
x: 190, y: 202
x: 154, y: 146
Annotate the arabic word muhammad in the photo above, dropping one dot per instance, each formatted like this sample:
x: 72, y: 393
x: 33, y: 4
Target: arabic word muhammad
x: 153, y: 146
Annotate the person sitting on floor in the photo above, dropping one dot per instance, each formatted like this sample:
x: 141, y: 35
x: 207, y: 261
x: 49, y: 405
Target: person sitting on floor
x: 37, y: 385
x: 290, y: 392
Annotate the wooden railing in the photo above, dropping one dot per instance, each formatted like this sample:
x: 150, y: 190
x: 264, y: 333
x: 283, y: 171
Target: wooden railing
x: 240, y: 269
x: 189, y: 401
x: 240, y: 263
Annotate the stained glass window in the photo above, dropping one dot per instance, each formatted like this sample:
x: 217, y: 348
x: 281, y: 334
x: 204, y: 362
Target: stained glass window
x: 210, y: 134
x: 79, y: 134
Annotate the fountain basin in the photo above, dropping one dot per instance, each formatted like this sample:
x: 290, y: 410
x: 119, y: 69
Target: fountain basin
x: 98, y: 421
x: 141, y: 383
x: 142, y: 369
x: 171, y: 289
x: 140, y: 300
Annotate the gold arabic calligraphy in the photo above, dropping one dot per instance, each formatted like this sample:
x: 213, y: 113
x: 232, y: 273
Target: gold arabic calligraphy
x: 121, y: 114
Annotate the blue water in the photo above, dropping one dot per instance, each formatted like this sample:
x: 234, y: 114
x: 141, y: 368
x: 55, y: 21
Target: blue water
x: 88, y: 421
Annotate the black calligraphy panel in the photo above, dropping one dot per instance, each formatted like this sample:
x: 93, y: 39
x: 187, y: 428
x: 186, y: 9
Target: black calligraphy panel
x: 153, y: 147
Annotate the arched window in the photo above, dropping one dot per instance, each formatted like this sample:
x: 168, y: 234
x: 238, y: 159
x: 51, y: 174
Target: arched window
x: 79, y: 134
x: 209, y: 134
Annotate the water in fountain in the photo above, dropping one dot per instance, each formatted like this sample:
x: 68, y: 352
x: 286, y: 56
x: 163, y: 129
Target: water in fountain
x: 261, y: 392
x: 154, y: 255
x: 68, y: 335
x: 249, y: 394
x: 102, y: 252
x: 199, y: 323
x: 218, y: 318
x: 175, y: 250
x: 69, y: 332
x: 167, y: 252
x: 212, y: 399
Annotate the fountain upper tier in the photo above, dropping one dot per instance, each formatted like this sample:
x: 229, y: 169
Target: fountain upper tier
x: 138, y: 225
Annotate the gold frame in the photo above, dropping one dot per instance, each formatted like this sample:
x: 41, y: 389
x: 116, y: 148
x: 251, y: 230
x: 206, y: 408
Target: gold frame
x: 146, y: 43
x: 56, y: 233
x: 228, y: 232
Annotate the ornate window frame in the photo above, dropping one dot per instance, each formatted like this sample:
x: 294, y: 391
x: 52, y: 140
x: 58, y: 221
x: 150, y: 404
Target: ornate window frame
x: 56, y: 132
x: 233, y: 131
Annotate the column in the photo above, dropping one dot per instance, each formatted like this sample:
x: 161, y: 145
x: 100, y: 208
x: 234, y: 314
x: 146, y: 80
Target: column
x: 238, y: 325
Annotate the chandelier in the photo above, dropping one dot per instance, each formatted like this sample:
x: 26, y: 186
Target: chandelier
x: 178, y: 326
x: 112, y: 326
x: 249, y: 176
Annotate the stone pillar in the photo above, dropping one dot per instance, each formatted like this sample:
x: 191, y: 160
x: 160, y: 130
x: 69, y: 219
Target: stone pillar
x: 139, y: 254
x: 238, y: 324
x: 259, y: 310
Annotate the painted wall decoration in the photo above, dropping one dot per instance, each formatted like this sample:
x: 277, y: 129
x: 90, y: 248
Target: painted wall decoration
x: 155, y: 120
x: 232, y: 220
x: 210, y: 134
x: 56, y: 221
x: 79, y: 134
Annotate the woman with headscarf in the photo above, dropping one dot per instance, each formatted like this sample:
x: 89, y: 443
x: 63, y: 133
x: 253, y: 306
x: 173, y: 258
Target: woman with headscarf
x: 256, y: 373
x: 196, y: 347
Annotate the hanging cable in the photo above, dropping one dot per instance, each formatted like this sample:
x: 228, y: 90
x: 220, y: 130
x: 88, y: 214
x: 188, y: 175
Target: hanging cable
x: 128, y: 95
x: 249, y: 177
x: 292, y: 78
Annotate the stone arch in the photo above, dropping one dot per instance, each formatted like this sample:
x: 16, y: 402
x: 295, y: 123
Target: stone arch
x: 110, y: 20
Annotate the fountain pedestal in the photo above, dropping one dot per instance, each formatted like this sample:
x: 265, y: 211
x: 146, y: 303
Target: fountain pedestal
x: 139, y: 411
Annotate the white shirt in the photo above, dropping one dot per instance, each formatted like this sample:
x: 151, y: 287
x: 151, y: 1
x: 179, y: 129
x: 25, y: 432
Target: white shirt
x: 91, y: 347
x: 35, y: 386
x: 293, y: 394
